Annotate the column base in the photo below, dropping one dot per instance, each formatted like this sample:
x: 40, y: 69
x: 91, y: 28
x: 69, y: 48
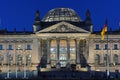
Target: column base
x: 78, y: 66
x: 25, y: 78
x: 68, y: 65
x: 58, y: 65
x: 48, y: 66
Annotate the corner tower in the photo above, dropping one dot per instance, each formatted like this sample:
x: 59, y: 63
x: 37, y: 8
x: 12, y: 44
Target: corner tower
x: 37, y: 22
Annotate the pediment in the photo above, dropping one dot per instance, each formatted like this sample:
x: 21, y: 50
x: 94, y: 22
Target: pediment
x: 63, y: 27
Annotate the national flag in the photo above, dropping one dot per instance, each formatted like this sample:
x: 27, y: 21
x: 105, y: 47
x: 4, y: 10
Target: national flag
x: 104, y: 30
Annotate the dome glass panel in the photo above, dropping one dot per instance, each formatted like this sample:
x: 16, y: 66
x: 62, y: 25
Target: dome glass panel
x: 61, y: 14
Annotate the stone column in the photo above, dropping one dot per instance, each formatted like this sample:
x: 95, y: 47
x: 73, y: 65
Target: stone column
x: 58, y: 47
x: 48, y: 53
x: 77, y: 55
x: 68, y: 50
x: 35, y: 49
x: 40, y: 48
x: 40, y: 53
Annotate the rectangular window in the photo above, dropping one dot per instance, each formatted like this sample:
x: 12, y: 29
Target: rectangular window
x: 19, y: 47
x: 10, y: 47
x: 53, y: 51
x: 97, y: 47
x: 115, y: 46
x: 28, y: 47
x: 106, y: 46
x: 1, y: 47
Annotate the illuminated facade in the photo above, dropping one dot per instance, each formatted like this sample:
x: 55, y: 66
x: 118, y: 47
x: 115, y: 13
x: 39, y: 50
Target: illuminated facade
x: 59, y: 40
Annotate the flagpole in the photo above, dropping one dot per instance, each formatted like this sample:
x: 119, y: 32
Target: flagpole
x: 24, y: 65
x: 8, y: 60
x: 105, y: 30
x: 16, y: 61
x: 108, y: 72
x: 8, y: 76
x: 24, y: 55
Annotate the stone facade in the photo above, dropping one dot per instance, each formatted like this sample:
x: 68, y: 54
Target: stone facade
x: 59, y: 42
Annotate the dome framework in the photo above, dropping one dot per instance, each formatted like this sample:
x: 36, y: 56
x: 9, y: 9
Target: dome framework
x: 61, y: 14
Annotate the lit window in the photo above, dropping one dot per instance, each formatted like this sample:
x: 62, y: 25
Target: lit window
x: 10, y: 57
x: 97, y: 47
x: 53, y: 50
x: 1, y: 60
x: 115, y: 46
x: 19, y: 58
x: 19, y: 47
x: 97, y: 59
x: 28, y: 59
x: 116, y: 59
x: 63, y: 50
x: 1, y: 47
x: 53, y: 53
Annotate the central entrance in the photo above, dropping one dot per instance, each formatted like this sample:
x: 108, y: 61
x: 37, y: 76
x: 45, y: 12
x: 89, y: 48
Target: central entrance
x: 62, y: 50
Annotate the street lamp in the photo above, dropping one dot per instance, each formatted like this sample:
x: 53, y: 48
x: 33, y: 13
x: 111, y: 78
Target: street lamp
x: 18, y: 48
x: 8, y: 62
x: 24, y: 58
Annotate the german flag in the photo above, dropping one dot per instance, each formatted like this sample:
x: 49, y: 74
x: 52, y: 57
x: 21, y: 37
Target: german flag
x: 104, y: 30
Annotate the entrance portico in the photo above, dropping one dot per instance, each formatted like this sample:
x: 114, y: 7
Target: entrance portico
x: 63, y: 44
x: 63, y: 50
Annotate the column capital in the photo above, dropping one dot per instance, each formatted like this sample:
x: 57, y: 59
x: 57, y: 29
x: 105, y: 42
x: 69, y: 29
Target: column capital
x: 68, y: 39
x: 48, y: 39
x: 77, y: 39
x: 58, y: 40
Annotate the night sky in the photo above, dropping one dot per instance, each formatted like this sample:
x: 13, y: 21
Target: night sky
x: 20, y: 14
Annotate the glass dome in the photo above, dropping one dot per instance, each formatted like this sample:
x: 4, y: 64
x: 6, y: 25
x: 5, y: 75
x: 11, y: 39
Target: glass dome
x: 61, y: 14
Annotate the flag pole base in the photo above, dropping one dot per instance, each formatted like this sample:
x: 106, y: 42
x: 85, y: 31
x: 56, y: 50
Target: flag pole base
x: 25, y: 78
x: 7, y: 78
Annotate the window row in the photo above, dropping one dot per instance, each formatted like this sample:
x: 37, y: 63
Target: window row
x: 63, y: 50
x: 62, y: 53
x: 97, y: 47
x: 115, y: 59
x: 20, y: 47
x: 20, y: 59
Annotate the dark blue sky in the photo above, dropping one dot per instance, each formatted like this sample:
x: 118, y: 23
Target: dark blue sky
x: 21, y: 13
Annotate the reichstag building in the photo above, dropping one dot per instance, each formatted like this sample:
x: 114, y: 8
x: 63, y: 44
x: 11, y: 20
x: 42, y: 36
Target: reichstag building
x: 60, y: 40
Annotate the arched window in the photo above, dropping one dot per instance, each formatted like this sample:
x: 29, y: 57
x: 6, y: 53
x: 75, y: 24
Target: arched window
x: 28, y: 59
x: 10, y: 58
x: 1, y: 59
x: 19, y: 59
x: 115, y: 58
x: 97, y: 59
x: 105, y: 58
